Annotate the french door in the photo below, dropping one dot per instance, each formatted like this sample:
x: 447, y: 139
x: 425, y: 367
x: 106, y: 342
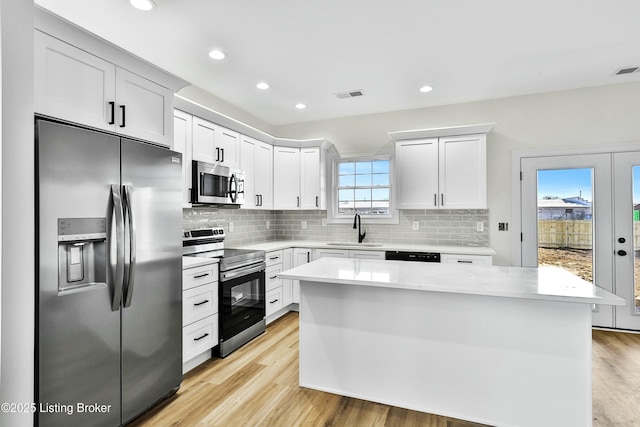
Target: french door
x: 578, y: 212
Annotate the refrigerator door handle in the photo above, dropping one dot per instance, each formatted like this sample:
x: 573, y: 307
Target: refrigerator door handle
x: 131, y: 261
x: 118, y: 212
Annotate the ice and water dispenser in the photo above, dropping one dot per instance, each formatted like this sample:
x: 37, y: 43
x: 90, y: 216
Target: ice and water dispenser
x: 82, y: 254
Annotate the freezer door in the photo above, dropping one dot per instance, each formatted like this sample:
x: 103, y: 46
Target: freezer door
x: 152, y: 300
x: 78, y: 334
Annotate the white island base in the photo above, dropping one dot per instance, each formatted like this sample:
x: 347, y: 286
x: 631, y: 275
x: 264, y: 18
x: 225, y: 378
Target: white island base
x: 497, y: 360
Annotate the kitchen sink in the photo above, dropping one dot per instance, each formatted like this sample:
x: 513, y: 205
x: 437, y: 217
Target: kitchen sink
x: 368, y: 245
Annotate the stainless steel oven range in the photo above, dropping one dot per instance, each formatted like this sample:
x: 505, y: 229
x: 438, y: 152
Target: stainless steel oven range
x: 241, y: 287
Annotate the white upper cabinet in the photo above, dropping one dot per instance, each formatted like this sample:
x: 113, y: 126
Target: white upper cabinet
x: 297, y: 178
x: 182, y: 136
x: 310, y: 178
x: 442, y: 173
x: 77, y: 86
x: 215, y: 144
x: 286, y: 178
x: 256, y: 160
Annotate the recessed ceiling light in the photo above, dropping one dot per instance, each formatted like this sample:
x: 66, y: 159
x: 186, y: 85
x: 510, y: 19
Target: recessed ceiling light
x: 301, y: 106
x: 425, y: 89
x: 262, y: 85
x: 145, y: 5
x: 217, y: 54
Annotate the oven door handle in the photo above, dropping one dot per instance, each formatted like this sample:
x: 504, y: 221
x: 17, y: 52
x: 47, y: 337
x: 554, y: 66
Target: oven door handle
x: 228, y: 275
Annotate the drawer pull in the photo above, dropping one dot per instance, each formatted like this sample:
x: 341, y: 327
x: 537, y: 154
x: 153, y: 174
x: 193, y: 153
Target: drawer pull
x: 273, y: 277
x: 274, y: 257
x: 274, y: 301
x: 200, y: 303
x: 199, y: 338
x: 465, y: 261
x: 200, y: 276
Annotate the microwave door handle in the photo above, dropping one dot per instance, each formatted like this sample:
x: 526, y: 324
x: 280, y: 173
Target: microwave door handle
x: 131, y: 261
x: 119, y: 276
x: 233, y: 190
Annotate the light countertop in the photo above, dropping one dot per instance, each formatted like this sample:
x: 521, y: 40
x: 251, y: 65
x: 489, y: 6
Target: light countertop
x: 313, y: 244
x: 543, y: 283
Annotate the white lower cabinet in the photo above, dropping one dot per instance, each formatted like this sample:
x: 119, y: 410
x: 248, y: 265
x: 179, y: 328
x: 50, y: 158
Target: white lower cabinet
x: 466, y: 259
x: 347, y: 253
x: 199, y: 314
x: 278, y: 291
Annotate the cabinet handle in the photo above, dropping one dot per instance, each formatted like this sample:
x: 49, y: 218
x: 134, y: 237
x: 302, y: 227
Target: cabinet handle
x: 298, y: 202
x: 217, y: 154
x: 273, y: 277
x: 316, y: 201
x: 435, y: 200
x: 261, y: 200
x: 442, y: 199
x: 464, y: 261
x: 222, y: 149
x: 200, y: 276
x: 200, y: 303
x: 274, y: 301
x: 199, y: 338
x: 274, y: 257
x: 123, y: 108
x: 257, y: 200
x: 112, y: 105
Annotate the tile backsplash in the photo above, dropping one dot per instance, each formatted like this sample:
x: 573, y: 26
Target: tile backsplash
x: 243, y: 227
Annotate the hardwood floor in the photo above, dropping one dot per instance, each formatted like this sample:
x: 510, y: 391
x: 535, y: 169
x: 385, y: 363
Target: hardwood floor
x: 257, y: 385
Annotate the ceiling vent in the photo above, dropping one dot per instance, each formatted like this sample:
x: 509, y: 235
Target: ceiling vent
x: 350, y: 94
x: 626, y: 70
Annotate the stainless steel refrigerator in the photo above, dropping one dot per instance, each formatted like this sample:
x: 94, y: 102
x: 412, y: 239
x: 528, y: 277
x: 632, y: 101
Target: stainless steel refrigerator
x: 109, y: 272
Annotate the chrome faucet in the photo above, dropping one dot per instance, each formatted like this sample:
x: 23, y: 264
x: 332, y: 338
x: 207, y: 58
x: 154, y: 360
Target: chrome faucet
x: 359, y: 221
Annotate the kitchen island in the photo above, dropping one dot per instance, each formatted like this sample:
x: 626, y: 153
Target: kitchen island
x: 495, y: 345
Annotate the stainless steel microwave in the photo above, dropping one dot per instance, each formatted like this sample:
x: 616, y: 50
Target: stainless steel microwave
x: 216, y: 185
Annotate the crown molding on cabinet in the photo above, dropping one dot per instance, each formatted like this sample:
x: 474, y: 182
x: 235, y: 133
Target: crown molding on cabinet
x: 444, y: 131
x: 206, y: 113
x: 68, y: 32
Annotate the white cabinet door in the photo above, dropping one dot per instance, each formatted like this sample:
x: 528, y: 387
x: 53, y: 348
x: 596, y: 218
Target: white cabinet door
x: 463, y: 171
x: 227, y: 145
x: 300, y: 256
x: 256, y: 160
x: 287, y: 284
x: 366, y: 254
x: 182, y: 129
x: 143, y: 108
x: 286, y: 178
x: 203, y: 140
x: 310, y: 178
x: 72, y: 84
x: 264, y: 175
x: 248, y: 149
x: 417, y: 173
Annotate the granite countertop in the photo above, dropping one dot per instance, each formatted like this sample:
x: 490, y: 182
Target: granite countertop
x: 313, y: 244
x: 543, y: 283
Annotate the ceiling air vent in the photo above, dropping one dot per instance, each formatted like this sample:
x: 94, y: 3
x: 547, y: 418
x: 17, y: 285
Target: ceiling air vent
x: 626, y: 70
x: 350, y: 94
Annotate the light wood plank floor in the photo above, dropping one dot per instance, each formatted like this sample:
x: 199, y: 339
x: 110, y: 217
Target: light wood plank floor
x: 257, y: 385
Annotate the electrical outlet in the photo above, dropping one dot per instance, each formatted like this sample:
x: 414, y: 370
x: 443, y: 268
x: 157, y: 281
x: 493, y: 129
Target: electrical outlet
x: 479, y: 226
x: 304, y: 225
x: 268, y: 224
x: 231, y: 227
x: 416, y: 225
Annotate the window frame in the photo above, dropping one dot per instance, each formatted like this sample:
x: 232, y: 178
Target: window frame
x: 332, y: 201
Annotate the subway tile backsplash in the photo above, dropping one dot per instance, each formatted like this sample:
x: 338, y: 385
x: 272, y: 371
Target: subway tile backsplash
x: 243, y: 227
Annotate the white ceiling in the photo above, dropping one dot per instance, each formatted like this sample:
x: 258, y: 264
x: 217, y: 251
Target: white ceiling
x: 308, y: 50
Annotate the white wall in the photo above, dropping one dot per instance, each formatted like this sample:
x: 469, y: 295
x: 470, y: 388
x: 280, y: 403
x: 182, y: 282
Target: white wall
x: 590, y: 117
x: 17, y: 286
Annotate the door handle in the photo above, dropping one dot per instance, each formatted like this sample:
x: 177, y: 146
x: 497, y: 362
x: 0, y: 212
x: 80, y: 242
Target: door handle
x: 118, y: 212
x: 130, y: 278
x: 622, y: 252
x: 123, y: 108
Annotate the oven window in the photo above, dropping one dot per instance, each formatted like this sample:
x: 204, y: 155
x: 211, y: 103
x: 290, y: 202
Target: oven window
x: 242, y: 303
x: 245, y: 296
x: 213, y: 185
